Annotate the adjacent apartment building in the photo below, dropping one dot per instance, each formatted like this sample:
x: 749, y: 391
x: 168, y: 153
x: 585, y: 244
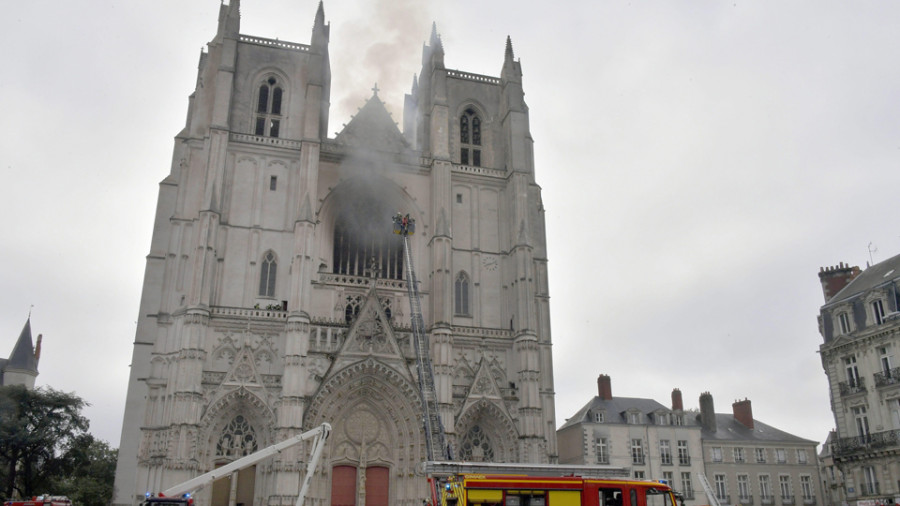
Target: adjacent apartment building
x: 744, y: 461
x: 860, y: 326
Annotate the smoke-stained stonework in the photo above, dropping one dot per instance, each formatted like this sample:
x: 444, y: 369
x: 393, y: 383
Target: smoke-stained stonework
x: 275, y: 293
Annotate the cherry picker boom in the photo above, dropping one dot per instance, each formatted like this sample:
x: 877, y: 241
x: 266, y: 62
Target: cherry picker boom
x: 435, y: 439
x: 180, y: 495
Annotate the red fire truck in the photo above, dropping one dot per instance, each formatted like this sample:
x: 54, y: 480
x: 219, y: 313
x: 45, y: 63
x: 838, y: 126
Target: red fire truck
x: 42, y: 500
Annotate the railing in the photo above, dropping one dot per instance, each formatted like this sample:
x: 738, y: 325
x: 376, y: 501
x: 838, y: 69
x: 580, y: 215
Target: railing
x: 746, y: 500
x: 481, y: 171
x: 876, y: 441
x: 853, y: 387
x: 242, y: 312
x: 889, y: 377
x: 266, y: 141
x: 767, y: 499
x: 261, y: 41
x: 787, y: 499
x: 724, y: 498
x: 809, y: 501
x: 326, y: 278
x: 473, y: 77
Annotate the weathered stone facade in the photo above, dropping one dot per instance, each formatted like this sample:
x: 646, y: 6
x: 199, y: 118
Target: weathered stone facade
x: 275, y: 295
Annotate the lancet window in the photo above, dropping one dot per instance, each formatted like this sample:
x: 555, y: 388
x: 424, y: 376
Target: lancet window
x: 237, y: 440
x: 268, y: 108
x: 476, y: 446
x: 267, y: 275
x: 470, y: 138
x: 461, y: 294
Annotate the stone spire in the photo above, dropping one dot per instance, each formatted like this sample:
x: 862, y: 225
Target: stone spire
x: 22, y: 356
x: 320, y: 34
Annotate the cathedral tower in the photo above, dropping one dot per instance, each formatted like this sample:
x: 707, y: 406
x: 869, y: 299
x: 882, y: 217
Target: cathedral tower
x: 275, y: 297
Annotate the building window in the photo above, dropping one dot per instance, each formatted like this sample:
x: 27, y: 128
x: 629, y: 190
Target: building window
x: 780, y: 455
x: 716, y: 453
x: 739, y: 455
x: 273, y: 183
x: 806, y: 488
x: 687, y: 488
x: 885, y: 357
x: 637, y: 451
x: 870, y: 481
x: 602, y: 450
x: 470, y: 138
x: 684, y: 455
x: 743, y: 481
x: 678, y: 419
x: 721, y: 489
x: 268, y: 108
x: 598, y: 416
x: 634, y: 418
x: 784, y: 482
x: 267, y: 275
x: 237, y: 440
x: 761, y: 455
x: 360, y: 245
x: 878, y: 311
x: 476, y: 446
x: 461, y: 294
x: 765, y: 488
x: 852, y: 371
x: 844, y: 322
x: 665, y: 452
x: 801, y: 456
x: 662, y: 419
x: 862, y: 423
x: 639, y: 475
x: 459, y: 198
x: 669, y: 478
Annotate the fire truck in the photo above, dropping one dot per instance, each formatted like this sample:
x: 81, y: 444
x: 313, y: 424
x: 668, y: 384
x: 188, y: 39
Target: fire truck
x: 521, y: 490
x: 42, y: 500
x: 182, y: 494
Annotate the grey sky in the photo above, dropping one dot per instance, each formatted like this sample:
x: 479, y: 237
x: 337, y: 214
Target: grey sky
x: 700, y: 161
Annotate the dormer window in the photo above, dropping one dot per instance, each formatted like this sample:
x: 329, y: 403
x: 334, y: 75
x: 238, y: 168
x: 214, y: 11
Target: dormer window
x: 470, y: 138
x: 878, y: 311
x: 268, y: 108
x: 844, y: 322
x: 598, y: 416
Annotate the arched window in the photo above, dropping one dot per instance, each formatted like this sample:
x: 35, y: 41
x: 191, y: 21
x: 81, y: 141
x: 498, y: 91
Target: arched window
x: 268, y: 107
x: 470, y: 138
x: 363, y: 242
x: 476, y: 446
x: 461, y: 294
x: 267, y: 275
x: 238, y: 439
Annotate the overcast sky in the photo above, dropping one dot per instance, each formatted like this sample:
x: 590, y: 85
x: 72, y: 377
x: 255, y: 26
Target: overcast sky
x: 700, y: 161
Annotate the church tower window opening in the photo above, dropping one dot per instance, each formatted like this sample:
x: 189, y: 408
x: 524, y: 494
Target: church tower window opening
x: 363, y: 242
x: 267, y: 275
x: 238, y: 439
x: 470, y: 138
x: 461, y: 294
x: 268, y: 108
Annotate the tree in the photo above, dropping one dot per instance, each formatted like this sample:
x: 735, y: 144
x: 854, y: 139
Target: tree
x: 36, y: 429
x: 86, y: 471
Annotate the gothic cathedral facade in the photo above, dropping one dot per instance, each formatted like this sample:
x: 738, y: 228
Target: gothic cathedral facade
x: 275, y: 294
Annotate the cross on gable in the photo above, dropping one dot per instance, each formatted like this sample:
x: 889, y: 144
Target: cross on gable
x: 375, y: 89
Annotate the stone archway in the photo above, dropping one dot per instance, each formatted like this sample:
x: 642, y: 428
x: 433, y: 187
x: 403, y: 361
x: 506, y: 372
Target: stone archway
x: 486, y: 433
x: 374, y: 412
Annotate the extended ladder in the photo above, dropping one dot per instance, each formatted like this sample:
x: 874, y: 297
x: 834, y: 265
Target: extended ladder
x: 435, y: 441
x: 713, y: 500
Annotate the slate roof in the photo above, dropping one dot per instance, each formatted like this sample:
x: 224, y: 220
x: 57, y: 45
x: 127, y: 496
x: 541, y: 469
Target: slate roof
x: 614, y: 406
x: 729, y: 429
x: 22, y: 356
x: 868, y: 279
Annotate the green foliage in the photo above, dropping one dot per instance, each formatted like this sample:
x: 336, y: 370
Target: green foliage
x: 44, y: 444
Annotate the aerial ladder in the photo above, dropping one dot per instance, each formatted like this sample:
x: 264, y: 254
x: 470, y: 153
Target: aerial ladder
x: 435, y: 439
x: 710, y: 494
x: 181, y: 494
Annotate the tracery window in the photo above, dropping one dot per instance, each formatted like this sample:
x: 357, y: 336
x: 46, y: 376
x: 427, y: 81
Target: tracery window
x: 267, y: 275
x: 238, y: 439
x: 268, y: 108
x: 470, y: 138
x: 461, y: 294
x: 363, y: 245
x: 476, y: 446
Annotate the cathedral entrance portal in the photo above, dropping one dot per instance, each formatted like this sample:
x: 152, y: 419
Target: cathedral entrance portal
x: 235, y: 490
x: 349, y: 487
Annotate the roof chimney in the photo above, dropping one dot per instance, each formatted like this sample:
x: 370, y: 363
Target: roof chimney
x: 835, y: 278
x: 707, y: 412
x: 743, y: 412
x: 604, y: 388
x: 677, y: 405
